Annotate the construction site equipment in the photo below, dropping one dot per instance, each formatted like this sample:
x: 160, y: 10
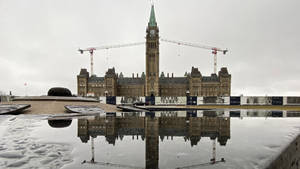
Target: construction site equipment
x: 214, y: 50
x: 92, y: 49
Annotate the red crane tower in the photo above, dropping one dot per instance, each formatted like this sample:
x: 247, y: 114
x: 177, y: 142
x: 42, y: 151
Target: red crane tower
x: 92, y: 49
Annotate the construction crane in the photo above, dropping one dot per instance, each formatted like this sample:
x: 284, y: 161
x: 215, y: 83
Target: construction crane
x: 212, y: 160
x: 214, y: 50
x: 92, y: 49
x: 105, y: 164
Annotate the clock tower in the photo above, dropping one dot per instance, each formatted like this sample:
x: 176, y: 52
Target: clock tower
x: 152, y: 56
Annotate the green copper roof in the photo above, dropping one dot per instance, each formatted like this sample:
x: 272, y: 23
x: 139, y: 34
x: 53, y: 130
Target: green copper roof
x: 152, y: 21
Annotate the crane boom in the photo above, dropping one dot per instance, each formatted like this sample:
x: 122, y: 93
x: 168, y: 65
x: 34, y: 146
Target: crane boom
x: 92, y: 49
x: 195, y: 45
x: 110, y: 46
x: 214, y: 50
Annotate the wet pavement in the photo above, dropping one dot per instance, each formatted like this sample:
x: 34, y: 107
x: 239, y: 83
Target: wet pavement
x: 238, y: 139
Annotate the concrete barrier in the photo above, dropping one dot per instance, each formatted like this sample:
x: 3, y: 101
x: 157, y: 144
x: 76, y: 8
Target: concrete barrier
x: 289, y: 158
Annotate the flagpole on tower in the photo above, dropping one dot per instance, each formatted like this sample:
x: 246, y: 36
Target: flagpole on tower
x: 152, y: 2
x: 25, y: 84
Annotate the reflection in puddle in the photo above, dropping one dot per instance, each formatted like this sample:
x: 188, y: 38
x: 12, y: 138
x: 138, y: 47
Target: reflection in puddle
x: 151, y: 129
x: 155, y: 128
x: 177, y: 139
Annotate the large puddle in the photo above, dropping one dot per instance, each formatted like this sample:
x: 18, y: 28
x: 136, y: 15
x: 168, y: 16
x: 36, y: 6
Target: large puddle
x: 238, y: 139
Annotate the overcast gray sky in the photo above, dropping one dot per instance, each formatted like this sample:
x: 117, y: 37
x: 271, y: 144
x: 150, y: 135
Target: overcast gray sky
x: 39, y: 41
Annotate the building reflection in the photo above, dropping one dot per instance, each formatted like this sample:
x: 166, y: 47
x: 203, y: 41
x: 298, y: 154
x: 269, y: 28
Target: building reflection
x: 151, y: 128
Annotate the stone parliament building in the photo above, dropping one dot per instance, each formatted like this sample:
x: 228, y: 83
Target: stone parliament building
x: 152, y: 83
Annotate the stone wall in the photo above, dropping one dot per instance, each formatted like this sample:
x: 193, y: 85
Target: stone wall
x: 289, y: 158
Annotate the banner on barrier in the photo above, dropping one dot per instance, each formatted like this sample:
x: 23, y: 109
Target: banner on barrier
x: 235, y: 100
x: 252, y: 100
x: 111, y: 100
x: 150, y: 100
x: 214, y: 100
x: 130, y: 100
x: 170, y: 100
x: 277, y: 100
x: 191, y: 100
x: 292, y: 101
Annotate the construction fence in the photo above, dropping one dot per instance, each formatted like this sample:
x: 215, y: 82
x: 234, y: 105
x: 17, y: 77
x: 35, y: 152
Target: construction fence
x: 194, y: 100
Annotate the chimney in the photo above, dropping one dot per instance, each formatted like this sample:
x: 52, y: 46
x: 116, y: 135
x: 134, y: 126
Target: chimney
x: 172, y: 75
x: 137, y: 75
x: 133, y: 75
x: 168, y: 75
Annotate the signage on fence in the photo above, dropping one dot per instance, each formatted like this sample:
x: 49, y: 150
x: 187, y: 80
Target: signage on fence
x: 111, y: 100
x: 214, y: 100
x: 150, y: 100
x: 252, y: 100
x: 170, y: 100
x: 130, y: 100
x: 235, y: 100
x: 277, y: 100
x: 191, y: 100
x: 292, y: 101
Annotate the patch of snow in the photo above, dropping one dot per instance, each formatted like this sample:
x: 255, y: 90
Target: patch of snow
x: 20, y: 150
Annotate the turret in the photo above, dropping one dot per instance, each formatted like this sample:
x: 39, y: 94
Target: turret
x: 225, y: 82
x: 195, y: 79
x: 111, y: 82
x: 82, y: 82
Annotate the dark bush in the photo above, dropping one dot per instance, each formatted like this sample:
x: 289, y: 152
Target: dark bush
x: 59, y: 123
x: 59, y: 91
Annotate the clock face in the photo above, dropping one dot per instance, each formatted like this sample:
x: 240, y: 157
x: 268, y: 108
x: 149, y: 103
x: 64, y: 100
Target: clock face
x: 152, y: 32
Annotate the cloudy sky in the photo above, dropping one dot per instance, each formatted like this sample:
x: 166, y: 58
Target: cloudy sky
x: 39, y: 41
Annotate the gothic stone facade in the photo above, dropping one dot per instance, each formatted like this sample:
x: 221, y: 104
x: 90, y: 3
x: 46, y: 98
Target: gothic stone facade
x: 151, y: 84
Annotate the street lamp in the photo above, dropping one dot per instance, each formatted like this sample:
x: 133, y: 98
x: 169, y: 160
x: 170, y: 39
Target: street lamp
x: 187, y: 93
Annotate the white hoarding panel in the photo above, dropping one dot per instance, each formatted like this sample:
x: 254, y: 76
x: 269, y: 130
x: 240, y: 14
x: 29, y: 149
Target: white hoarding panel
x: 102, y: 100
x: 199, y: 100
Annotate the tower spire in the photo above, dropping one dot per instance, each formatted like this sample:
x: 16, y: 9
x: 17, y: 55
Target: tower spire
x: 152, y: 20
